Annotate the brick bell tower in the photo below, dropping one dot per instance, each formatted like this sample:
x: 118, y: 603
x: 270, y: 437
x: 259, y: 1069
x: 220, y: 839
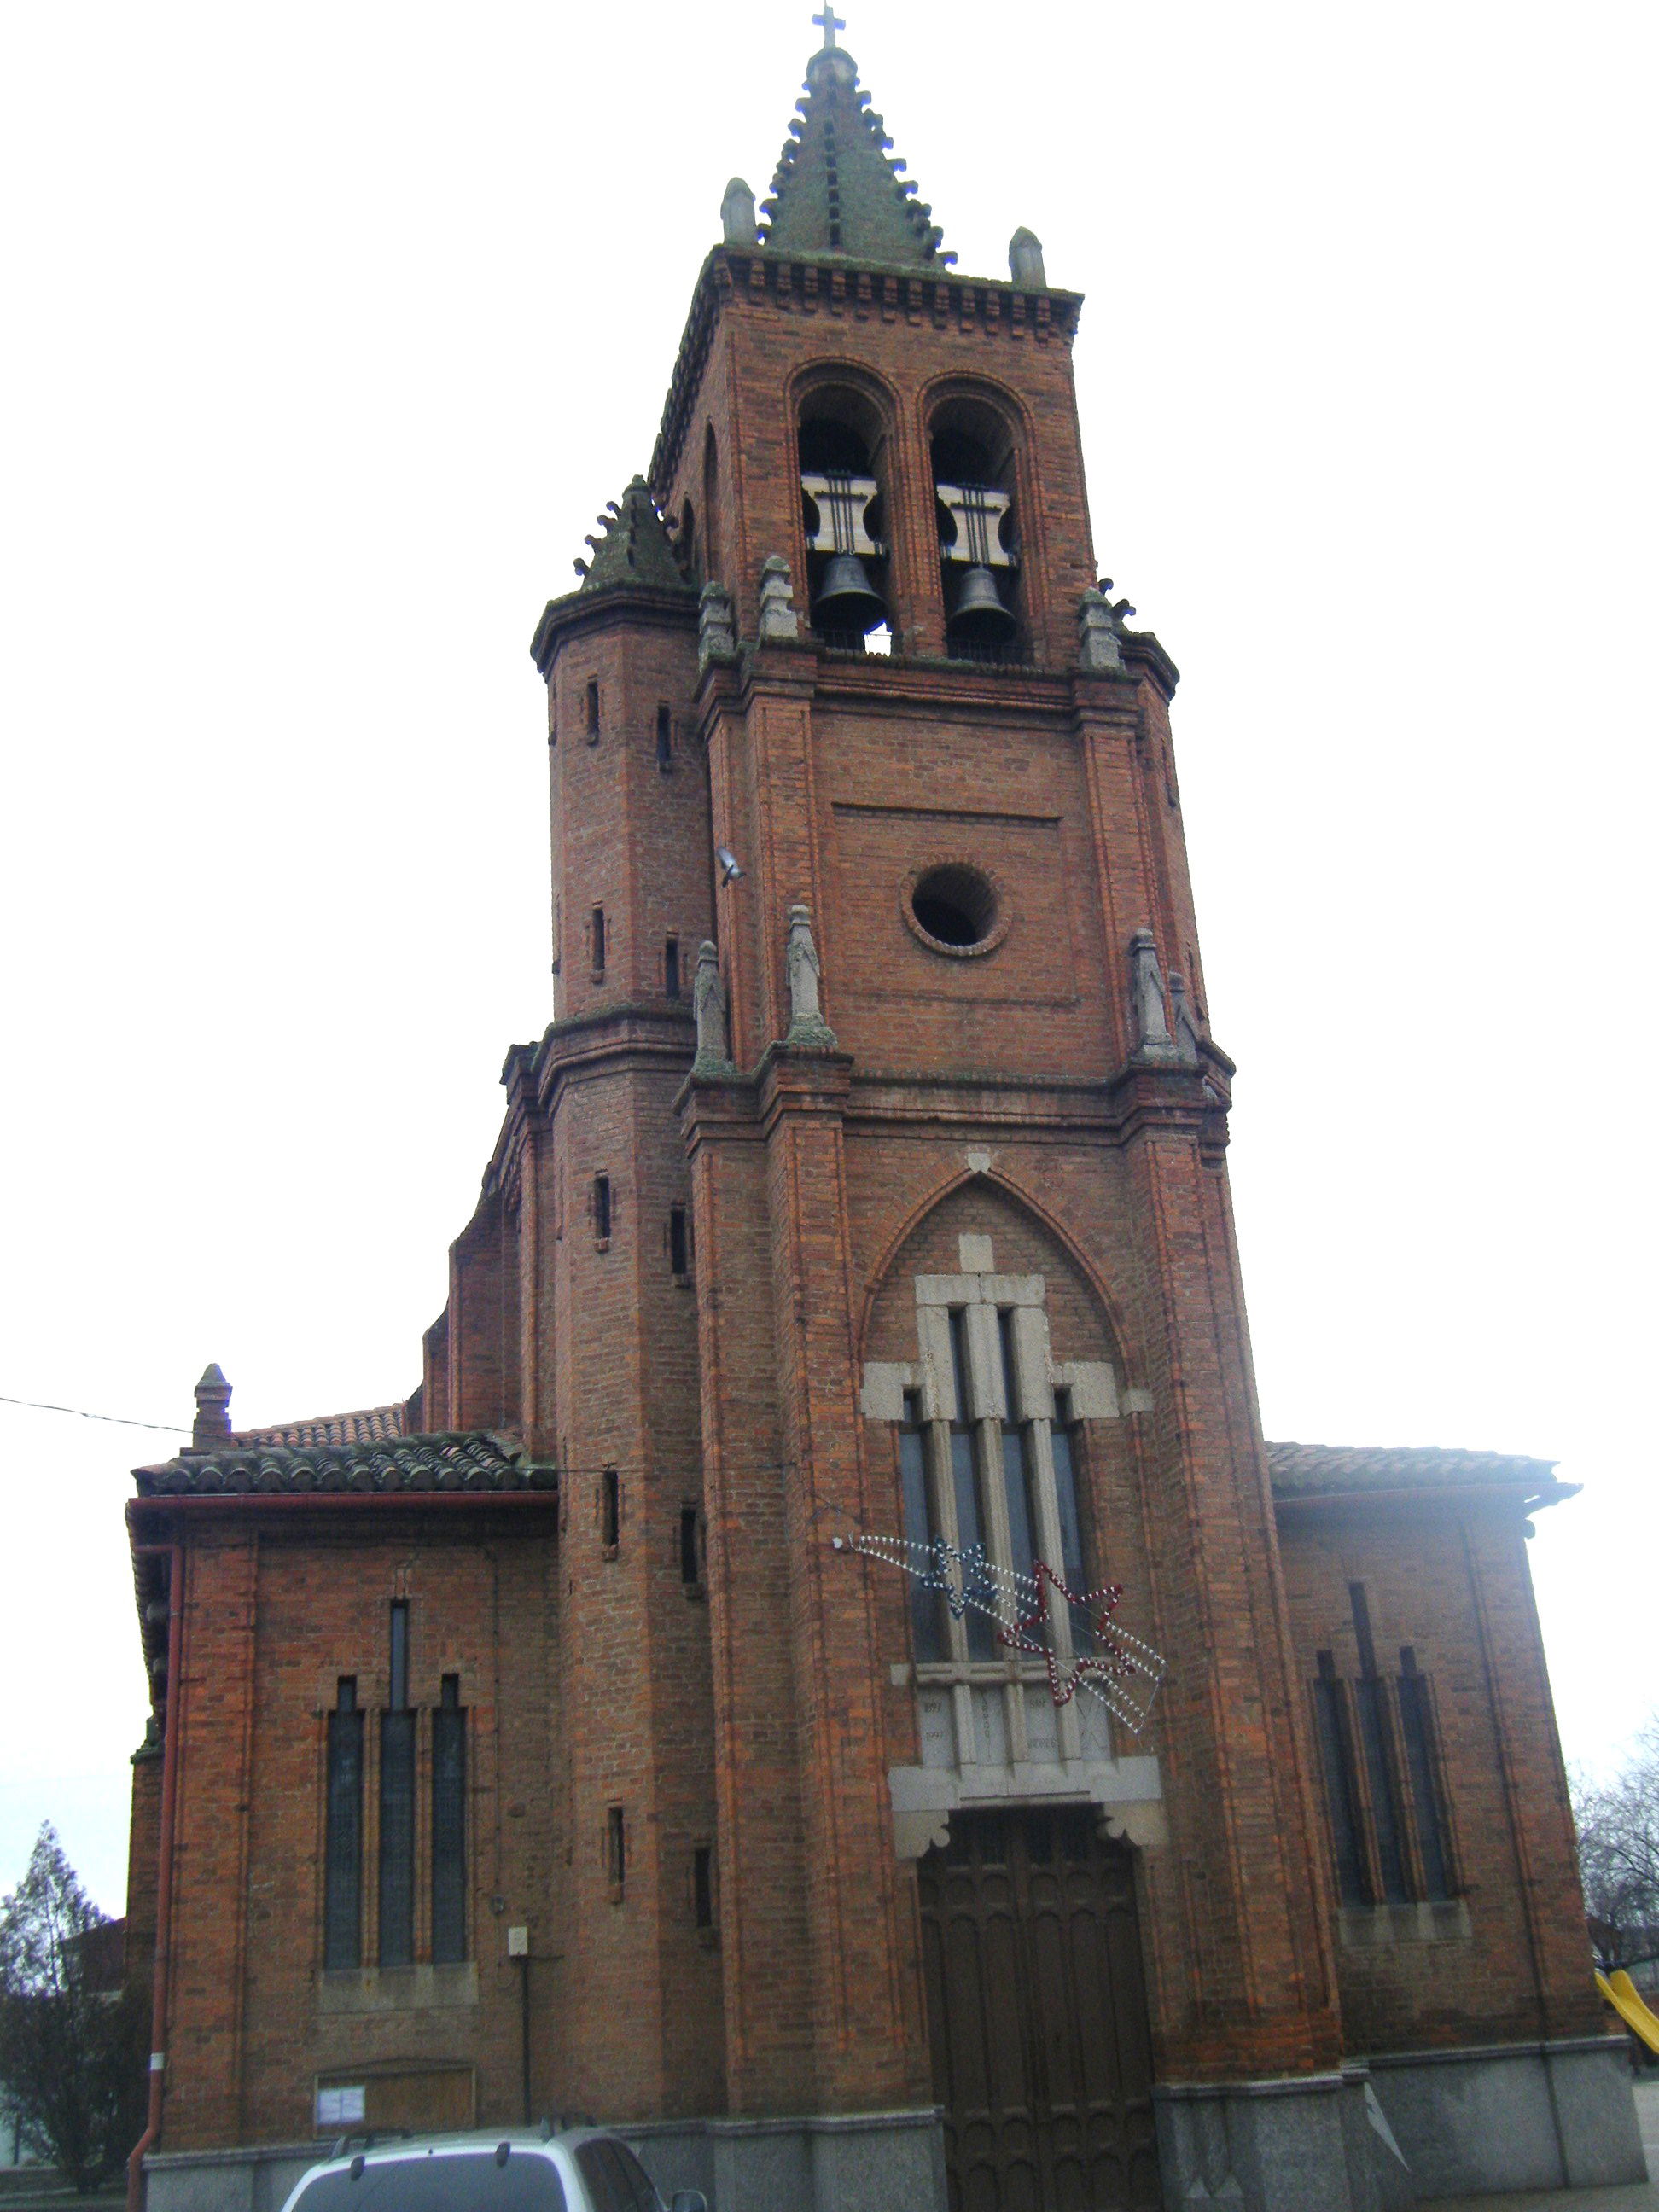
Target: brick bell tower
x: 872, y: 1179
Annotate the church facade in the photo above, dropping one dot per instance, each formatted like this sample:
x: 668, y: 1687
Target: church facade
x: 825, y: 1673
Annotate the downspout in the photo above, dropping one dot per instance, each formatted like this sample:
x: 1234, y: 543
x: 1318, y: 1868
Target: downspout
x: 174, y: 1554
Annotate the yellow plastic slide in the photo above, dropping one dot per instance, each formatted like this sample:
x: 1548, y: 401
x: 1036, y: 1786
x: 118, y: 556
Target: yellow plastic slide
x: 1622, y: 1995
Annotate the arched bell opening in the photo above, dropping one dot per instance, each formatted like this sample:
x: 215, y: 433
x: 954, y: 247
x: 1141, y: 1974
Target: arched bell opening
x: 972, y: 450
x: 844, y: 521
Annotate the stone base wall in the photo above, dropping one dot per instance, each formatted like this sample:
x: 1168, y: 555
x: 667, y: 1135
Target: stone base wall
x: 1513, y: 2116
x: 856, y: 2162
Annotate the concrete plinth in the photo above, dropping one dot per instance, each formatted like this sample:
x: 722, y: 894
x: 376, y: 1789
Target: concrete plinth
x: 1513, y: 2116
x: 845, y: 2162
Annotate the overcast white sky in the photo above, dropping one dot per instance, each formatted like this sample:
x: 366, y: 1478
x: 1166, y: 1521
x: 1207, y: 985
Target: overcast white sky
x: 329, y: 328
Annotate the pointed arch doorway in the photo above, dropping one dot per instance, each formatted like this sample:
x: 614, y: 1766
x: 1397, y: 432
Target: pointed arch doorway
x: 1037, y: 2015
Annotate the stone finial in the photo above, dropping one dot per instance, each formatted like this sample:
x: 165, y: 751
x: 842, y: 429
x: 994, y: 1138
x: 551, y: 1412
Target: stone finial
x: 1025, y: 260
x: 1097, y: 646
x: 1183, y: 1022
x: 717, y: 628
x: 738, y: 214
x: 804, y: 970
x: 778, y: 618
x: 708, y: 1004
x: 1152, y: 1021
x: 212, y: 1426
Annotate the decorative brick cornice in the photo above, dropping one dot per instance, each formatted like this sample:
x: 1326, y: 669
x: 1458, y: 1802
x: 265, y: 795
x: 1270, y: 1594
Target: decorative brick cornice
x: 584, y: 609
x: 833, y: 285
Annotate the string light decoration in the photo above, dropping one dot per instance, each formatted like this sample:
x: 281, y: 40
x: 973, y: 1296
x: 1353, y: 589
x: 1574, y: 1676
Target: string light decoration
x: 1104, y: 1658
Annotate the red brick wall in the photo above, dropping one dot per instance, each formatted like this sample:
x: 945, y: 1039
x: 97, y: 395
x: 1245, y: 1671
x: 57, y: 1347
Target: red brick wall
x: 1453, y: 1583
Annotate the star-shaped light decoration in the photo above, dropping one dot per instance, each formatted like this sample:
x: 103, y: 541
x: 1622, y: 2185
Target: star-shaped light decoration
x: 1109, y: 1662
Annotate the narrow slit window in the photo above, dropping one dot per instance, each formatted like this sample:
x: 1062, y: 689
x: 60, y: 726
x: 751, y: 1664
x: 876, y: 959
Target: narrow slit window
x: 926, y: 1627
x: 449, y: 1825
x: 965, y: 1483
x: 1340, y: 1797
x: 343, y: 1848
x: 397, y: 1805
x: 599, y: 943
x: 703, y: 1886
x: 679, y: 1241
x: 609, y: 1508
x: 671, y: 967
x: 1416, y: 1726
x: 664, y: 740
x: 592, y: 709
x: 616, y: 1848
x: 1063, y: 1448
x: 1017, y: 1459
x: 690, y: 1563
x: 602, y: 1208
x: 1386, y: 1822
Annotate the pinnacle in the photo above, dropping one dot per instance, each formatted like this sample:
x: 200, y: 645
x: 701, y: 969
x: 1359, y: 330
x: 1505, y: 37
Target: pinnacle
x: 836, y: 189
x: 635, y: 548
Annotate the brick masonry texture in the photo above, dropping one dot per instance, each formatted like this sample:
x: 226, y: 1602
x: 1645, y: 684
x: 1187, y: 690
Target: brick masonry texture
x: 755, y: 1710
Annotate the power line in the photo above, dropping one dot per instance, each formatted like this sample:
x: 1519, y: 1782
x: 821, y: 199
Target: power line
x: 120, y: 1420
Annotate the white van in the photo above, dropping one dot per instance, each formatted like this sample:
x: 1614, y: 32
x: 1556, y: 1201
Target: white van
x: 576, y: 2170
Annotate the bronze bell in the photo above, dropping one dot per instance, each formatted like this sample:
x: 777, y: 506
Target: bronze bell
x: 981, y: 618
x: 848, y: 600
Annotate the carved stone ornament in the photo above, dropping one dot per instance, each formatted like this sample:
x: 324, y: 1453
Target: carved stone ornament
x: 708, y: 1003
x: 1097, y: 646
x: 738, y: 214
x: 717, y: 629
x: 1152, y: 1020
x: 804, y: 970
x: 1184, y: 1023
x: 778, y: 618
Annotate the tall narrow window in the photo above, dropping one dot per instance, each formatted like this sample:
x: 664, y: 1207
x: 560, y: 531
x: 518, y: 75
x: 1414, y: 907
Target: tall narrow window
x: 1016, y: 1468
x: 1415, y: 1727
x: 679, y: 1243
x: 1379, y: 1773
x: 616, y: 1849
x: 593, y: 710
x: 449, y: 1827
x: 602, y: 1208
x: 342, y: 1941
x: 671, y: 967
x: 926, y: 1628
x: 597, y: 935
x: 964, y: 1485
x: 609, y: 1508
x: 1339, y: 1783
x: 1062, y: 1439
x: 397, y: 1805
x: 703, y: 1886
x: 664, y: 740
x: 691, y: 1548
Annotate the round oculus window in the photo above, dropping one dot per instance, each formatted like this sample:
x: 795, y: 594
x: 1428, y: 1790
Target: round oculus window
x: 954, y: 907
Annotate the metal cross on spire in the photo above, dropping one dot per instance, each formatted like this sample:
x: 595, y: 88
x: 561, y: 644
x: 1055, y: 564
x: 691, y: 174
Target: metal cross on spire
x: 831, y: 23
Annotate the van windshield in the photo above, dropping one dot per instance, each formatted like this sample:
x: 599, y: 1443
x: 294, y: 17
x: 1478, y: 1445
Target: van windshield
x: 439, y: 2181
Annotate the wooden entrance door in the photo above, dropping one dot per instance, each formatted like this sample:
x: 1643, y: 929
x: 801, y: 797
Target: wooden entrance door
x: 1038, y: 2016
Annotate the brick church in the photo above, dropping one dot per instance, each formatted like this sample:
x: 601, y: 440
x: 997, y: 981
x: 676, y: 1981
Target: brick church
x: 824, y: 1673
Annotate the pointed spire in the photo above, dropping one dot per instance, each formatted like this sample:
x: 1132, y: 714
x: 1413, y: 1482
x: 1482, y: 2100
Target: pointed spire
x: 635, y: 548
x: 836, y: 190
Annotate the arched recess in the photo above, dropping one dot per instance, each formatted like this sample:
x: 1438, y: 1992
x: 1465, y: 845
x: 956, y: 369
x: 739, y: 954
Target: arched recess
x: 977, y: 432
x: 843, y: 419
x: 712, y: 534
x: 895, y: 1264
